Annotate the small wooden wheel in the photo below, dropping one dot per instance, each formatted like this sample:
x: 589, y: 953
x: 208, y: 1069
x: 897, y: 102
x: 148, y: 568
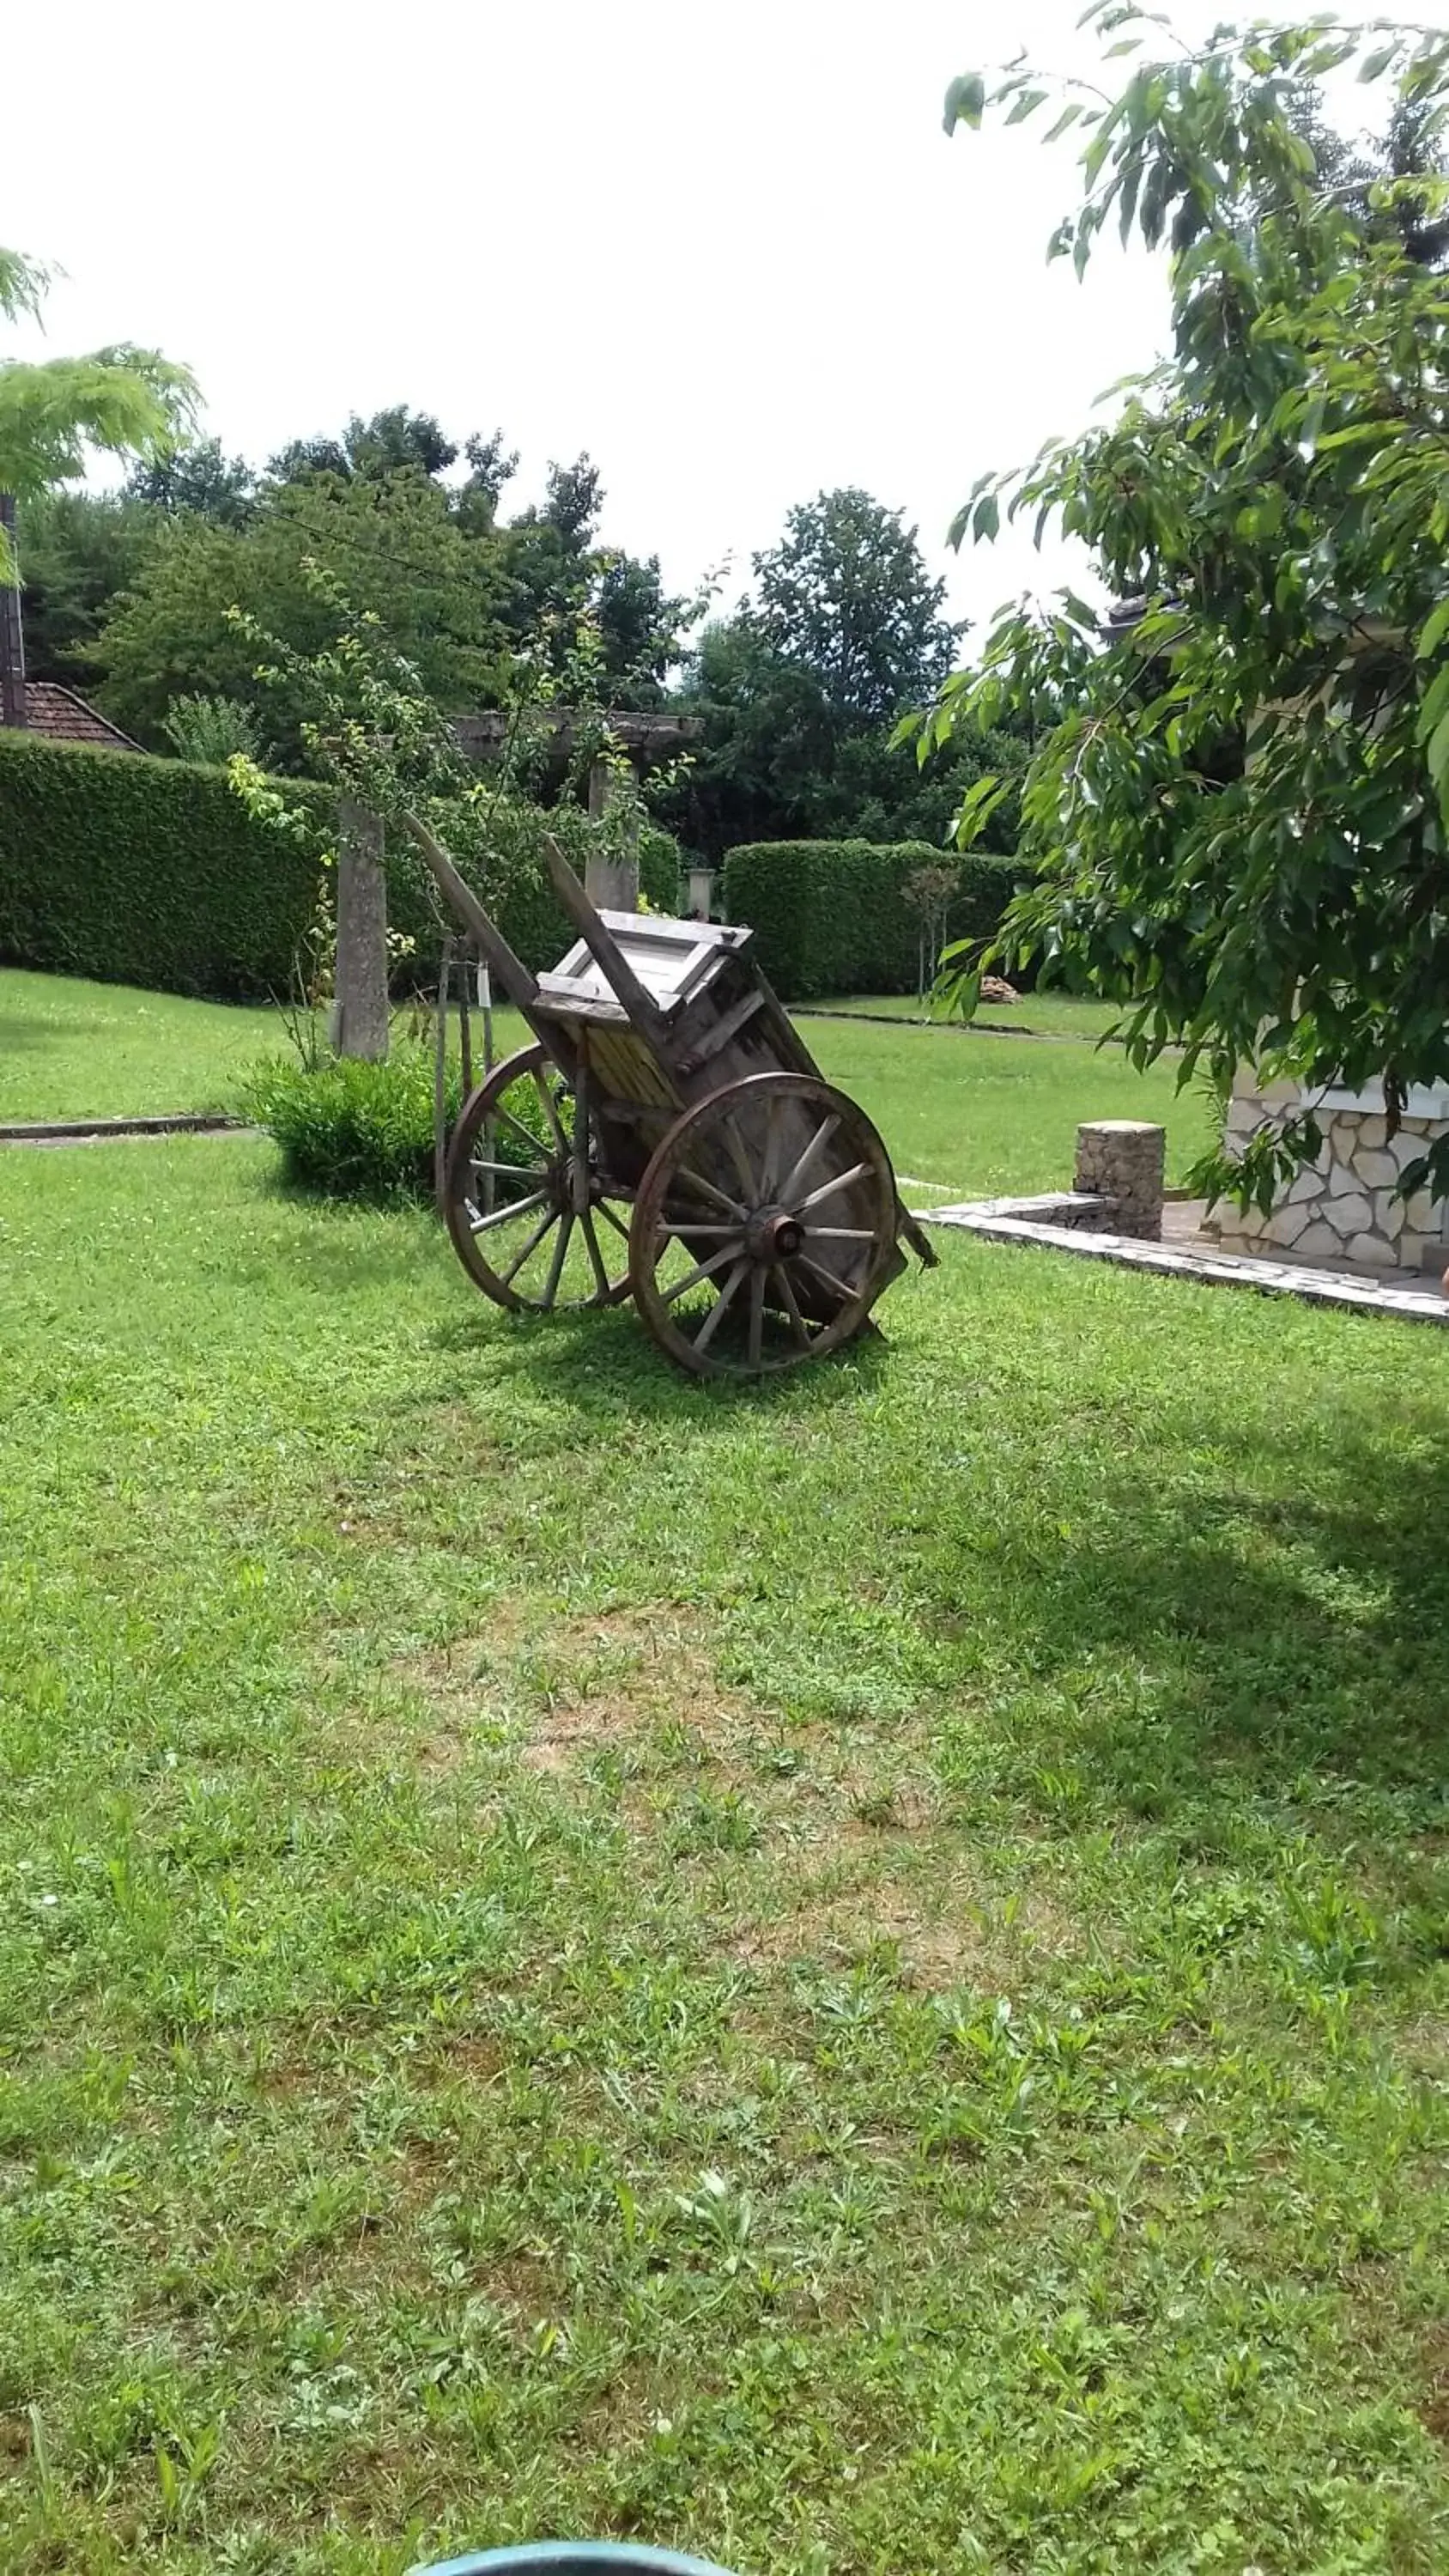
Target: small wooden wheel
x: 530, y: 1218
x: 764, y: 1228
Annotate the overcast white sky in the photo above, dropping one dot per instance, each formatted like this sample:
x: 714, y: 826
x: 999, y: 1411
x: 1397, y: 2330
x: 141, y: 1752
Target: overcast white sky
x: 728, y: 250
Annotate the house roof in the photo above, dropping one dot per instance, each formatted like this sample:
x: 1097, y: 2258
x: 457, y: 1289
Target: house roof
x: 56, y: 714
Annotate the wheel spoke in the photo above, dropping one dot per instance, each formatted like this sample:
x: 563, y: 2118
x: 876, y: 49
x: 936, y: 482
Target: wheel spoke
x: 811, y: 1155
x: 525, y: 1135
x: 503, y: 1215
x: 547, y: 1105
x: 550, y: 1217
x: 687, y: 1232
x: 701, y: 1270
x: 586, y: 1228
x: 769, y: 1171
x: 603, y: 1209
x: 788, y: 1301
x: 706, y: 1331
x: 756, y: 1344
x: 741, y: 1161
x: 829, y: 1189
x: 560, y: 1255
x: 706, y: 1189
x: 838, y: 1287
x: 508, y: 1171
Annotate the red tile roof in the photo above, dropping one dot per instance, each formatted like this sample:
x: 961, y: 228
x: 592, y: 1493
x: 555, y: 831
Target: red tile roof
x: 58, y: 715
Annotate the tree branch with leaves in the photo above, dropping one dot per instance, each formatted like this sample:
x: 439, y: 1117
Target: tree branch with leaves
x: 56, y: 412
x: 1237, y: 810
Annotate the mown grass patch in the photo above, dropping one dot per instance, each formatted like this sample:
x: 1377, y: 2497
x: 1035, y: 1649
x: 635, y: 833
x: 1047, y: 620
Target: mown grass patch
x: 971, y: 1119
x: 850, y: 1975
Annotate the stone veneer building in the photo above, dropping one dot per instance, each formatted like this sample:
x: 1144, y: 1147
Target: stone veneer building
x: 1344, y: 1206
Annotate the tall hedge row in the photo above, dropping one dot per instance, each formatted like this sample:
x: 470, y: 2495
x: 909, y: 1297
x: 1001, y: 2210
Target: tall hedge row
x: 143, y: 871
x: 151, y: 872
x: 832, y: 916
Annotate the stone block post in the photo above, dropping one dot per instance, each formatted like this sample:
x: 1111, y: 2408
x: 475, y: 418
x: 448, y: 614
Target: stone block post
x: 611, y: 879
x: 1122, y: 1159
x: 359, y: 1010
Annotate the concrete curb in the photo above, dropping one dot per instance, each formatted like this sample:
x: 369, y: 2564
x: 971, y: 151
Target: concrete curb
x: 95, y: 1131
x: 1211, y: 1270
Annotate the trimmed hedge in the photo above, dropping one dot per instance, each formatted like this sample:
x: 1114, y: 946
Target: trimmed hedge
x: 830, y: 916
x: 143, y: 871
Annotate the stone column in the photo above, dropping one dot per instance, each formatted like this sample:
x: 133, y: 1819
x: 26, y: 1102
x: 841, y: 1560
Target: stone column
x: 359, y: 1011
x: 1122, y: 1159
x: 611, y: 880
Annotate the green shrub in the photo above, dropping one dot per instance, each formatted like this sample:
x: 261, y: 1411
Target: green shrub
x: 352, y: 1130
x: 832, y: 917
x: 152, y: 872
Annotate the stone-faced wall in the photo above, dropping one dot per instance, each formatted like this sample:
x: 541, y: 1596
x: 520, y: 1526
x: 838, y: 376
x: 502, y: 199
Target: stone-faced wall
x: 1344, y: 1207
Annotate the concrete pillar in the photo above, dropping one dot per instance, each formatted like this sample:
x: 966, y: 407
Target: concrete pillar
x: 1122, y: 1159
x: 611, y: 877
x: 359, y: 1010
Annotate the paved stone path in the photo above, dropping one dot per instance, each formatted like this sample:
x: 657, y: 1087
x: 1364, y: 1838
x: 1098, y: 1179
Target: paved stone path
x: 990, y: 1219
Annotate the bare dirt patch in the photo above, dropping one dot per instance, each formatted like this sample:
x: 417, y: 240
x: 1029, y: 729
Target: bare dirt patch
x: 573, y: 1686
x: 1434, y: 2411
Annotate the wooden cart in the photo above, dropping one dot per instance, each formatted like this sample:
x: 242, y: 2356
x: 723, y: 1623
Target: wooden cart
x: 668, y: 1137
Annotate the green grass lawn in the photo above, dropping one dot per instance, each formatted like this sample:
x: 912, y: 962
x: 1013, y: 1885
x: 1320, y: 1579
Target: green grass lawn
x: 999, y: 1114
x: 72, y: 1049
x: 968, y: 1118
x: 1053, y: 1014
x: 850, y: 1975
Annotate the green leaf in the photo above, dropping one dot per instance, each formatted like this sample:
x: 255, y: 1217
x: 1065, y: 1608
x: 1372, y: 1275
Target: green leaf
x: 1433, y: 631
x: 1027, y: 105
x: 965, y: 101
x: 977, y: 806
x: 1374, y: 65
x: 1069, y: 116
x: 1435, y: 704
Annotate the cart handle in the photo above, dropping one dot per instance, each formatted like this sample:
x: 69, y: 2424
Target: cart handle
x: 605, y: 950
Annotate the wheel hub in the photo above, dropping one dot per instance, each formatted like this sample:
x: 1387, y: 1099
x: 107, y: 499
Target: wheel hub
x: 773, y: 1235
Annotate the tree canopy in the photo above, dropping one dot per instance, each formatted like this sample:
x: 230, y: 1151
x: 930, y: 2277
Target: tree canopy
x: 56, y: 412
x: 800, y: 688
x: 1238, y: 802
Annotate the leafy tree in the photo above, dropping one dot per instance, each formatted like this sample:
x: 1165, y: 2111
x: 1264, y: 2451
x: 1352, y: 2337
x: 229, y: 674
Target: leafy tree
x: 490, y: 466
x: 391, y: 442
x: 214, y: 730
x: 846, y: 597
x: 57, y: 412
x: 1239, y: 810
x: 81, y: 550
x: 392, y: 543
x: 799, y: 691
x: 640, y: 628
x: 303, y: 457
x: 575, y: 498
x: 198, y: 478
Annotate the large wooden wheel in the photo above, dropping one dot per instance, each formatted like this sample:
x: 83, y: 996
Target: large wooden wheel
x: 530, y: 1216
x: 764, y: 1228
